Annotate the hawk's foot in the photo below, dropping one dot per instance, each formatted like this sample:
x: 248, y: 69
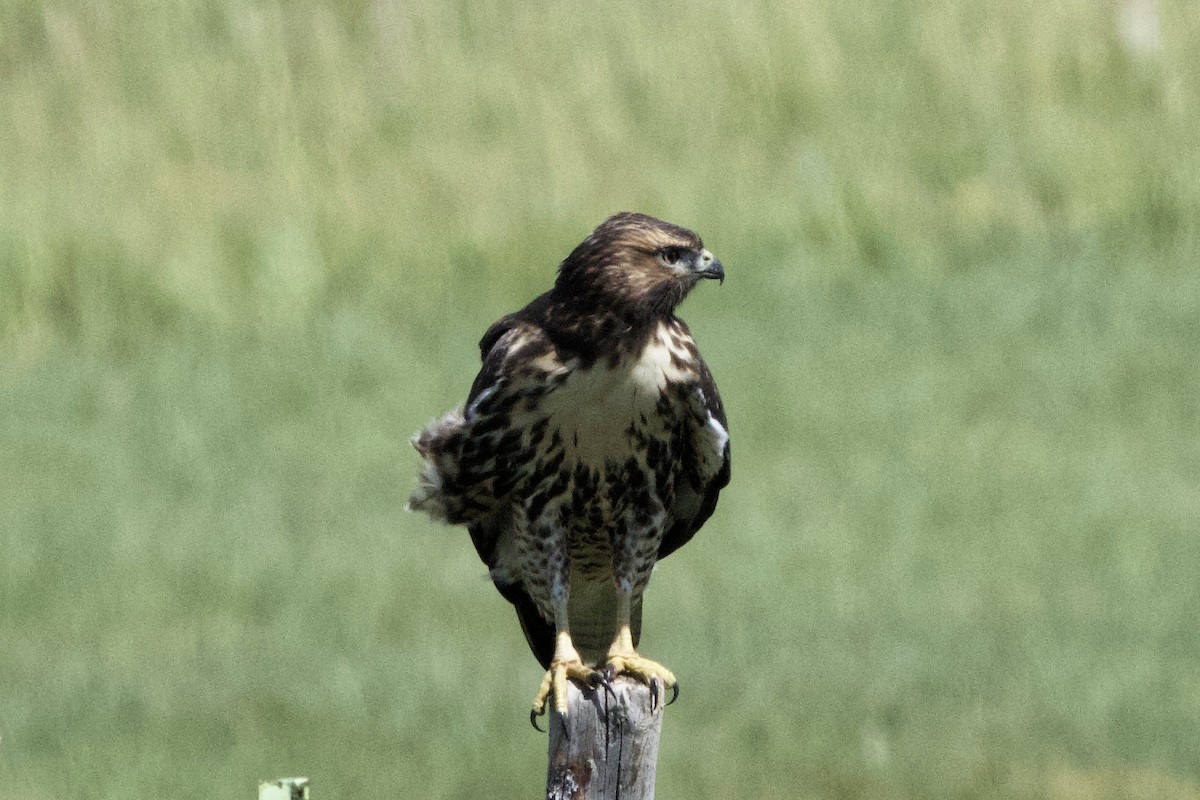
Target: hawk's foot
x: 651, y: 673
x: 554, y: 684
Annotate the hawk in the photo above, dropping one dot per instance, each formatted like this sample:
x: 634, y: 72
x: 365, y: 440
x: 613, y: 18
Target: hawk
x: 592, y: 444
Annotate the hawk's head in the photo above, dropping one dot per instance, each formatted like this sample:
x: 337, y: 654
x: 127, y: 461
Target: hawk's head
x: 638, y: 265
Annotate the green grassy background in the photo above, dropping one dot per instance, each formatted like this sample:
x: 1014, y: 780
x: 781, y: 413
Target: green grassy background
x: 247, y: 248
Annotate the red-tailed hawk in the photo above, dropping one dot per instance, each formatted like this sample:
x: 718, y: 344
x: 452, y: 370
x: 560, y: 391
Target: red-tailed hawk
x: 592, y: 444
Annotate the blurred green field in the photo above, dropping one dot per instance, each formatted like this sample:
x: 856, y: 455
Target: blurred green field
x: 247, y: 248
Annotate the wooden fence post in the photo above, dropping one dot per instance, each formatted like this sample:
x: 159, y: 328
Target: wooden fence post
x: 609, y: 748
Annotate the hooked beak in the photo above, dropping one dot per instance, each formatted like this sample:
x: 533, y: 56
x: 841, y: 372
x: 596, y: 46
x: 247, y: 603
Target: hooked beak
x: 707, y: 266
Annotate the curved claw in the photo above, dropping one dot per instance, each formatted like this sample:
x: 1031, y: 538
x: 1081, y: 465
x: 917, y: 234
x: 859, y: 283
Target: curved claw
x: 597, y: 678
x: 602, y: 679
x: 658, y: 693
x: 533, y: 715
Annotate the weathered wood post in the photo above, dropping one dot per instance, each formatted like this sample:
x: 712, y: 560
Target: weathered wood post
x: 609, y: 748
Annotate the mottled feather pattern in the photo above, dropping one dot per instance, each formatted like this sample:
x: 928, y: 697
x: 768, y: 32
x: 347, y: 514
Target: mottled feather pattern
x: 475, y: 457
x: 436, y: 444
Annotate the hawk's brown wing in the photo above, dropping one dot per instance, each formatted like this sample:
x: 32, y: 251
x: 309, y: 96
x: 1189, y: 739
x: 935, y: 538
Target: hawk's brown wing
x: 493, y: 395
x: 707, y: 464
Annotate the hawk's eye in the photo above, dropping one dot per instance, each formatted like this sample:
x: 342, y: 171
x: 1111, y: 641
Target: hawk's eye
x: 670, y: 255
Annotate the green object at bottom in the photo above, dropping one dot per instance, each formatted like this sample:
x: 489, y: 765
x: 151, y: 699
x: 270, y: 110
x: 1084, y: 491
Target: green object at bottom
x: 284, y: 789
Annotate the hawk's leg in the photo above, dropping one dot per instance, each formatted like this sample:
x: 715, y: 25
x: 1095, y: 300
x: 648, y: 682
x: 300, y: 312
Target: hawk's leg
x: 623, y: 659
x: 564, y: 666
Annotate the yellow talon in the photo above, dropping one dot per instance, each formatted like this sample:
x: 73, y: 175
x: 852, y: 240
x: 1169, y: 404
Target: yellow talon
x: 554, y: 683
x: 651, y: 673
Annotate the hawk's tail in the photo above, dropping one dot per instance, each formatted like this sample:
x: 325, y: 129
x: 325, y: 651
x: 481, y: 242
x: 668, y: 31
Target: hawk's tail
x: 538, y: 632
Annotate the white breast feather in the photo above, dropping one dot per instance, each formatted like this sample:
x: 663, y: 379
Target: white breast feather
x: 594, y: 408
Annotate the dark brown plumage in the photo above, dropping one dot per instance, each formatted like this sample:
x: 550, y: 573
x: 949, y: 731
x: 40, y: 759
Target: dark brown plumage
x: 592, y: 444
